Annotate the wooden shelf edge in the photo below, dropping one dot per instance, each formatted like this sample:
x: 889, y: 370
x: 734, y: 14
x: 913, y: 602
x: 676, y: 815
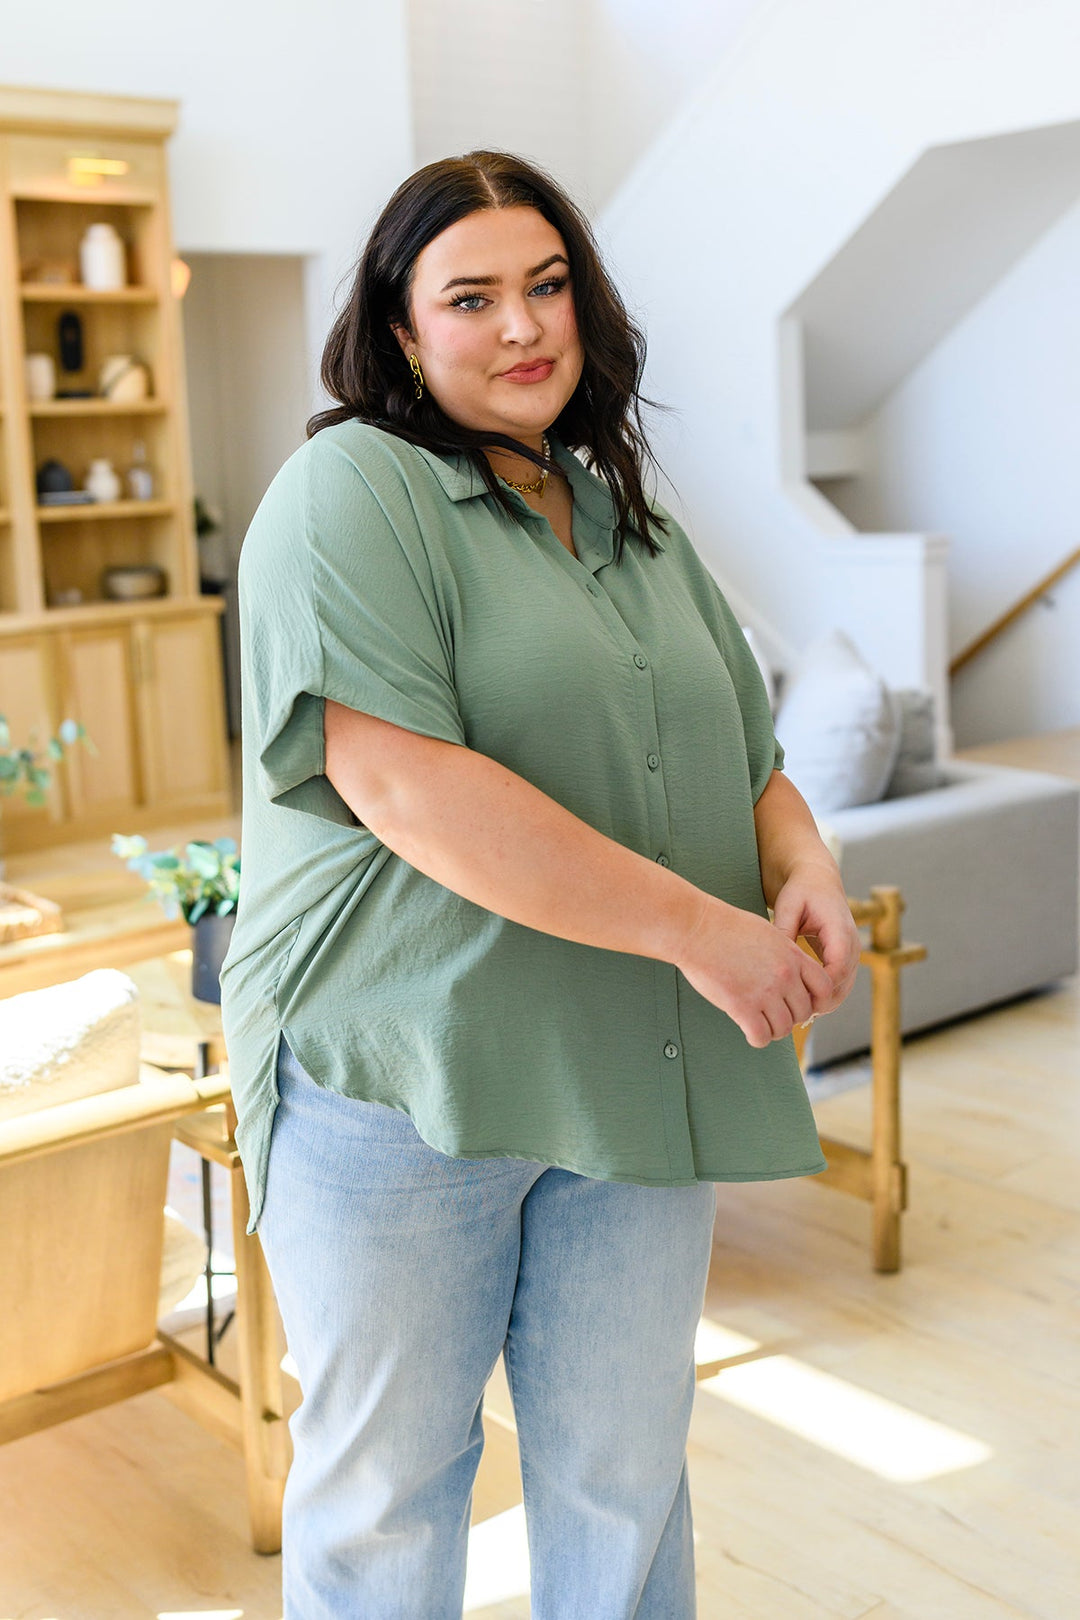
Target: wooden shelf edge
x: 94, y: 511
x: 17, y: 624
x: 28, y: 109
x: 61, y: 409
x: 50, y: 292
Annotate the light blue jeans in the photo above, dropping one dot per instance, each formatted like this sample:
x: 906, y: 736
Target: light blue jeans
x: 402, y: 1275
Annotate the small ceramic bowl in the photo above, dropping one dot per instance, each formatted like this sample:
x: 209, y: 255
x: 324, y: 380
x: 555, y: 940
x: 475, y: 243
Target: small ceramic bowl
x: 133, y: 583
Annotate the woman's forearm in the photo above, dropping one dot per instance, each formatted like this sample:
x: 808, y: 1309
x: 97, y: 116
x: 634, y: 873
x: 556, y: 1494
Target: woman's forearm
x: 476, y: 827
x: 787, y: 835
x: 484, y: 832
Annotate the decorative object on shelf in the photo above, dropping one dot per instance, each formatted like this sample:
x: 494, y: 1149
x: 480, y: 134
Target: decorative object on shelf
x: 69, y: 336
x: 134, y: 582
x: 124, y: 379
x: 202, y: 885
x: 69, y: 596
x: 102, y: 480
x: 102, y: 259
x: 140, y: 477
x: 67, y: 497
x: 53, y: 478
x: 40, y: 377
x: 48, y: 272
x: 56, y: 487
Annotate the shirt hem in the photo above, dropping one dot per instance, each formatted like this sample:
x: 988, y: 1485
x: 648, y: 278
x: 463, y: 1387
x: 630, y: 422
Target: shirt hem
x: 632, y: 1179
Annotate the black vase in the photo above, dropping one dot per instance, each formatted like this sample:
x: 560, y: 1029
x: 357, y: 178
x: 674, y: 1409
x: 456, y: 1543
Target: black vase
x: 209, y: 942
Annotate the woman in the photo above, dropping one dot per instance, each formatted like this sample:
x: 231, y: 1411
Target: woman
x: 504, y: 1001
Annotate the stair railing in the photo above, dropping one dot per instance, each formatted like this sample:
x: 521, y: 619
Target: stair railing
x: 1015, y: 612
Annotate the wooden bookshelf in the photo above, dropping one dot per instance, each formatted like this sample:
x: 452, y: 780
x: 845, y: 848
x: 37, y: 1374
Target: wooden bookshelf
x: 144, y: 678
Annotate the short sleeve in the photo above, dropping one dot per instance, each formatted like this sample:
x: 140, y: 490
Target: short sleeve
x: 337, y: 600
x: 764, y: 753
x: 763, y: 749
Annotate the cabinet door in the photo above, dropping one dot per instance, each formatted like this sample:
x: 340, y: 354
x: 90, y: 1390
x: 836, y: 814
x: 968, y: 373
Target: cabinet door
x: 26, y: 701
x: 96, y: 682
x: 181, y: 710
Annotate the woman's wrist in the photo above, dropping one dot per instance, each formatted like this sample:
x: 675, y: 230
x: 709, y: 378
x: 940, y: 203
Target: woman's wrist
x: 810, y: 863
x: 789, y: 843
x: 678, y: 918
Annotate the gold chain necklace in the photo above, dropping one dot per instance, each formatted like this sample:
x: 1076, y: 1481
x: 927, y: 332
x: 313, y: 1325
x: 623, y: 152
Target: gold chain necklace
x: 538, y: 485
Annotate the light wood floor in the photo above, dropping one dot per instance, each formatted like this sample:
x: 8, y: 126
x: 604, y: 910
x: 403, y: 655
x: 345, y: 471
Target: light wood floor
x: 864, y: 1447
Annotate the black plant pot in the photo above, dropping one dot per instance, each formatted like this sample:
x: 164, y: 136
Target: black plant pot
x: 210, y: 938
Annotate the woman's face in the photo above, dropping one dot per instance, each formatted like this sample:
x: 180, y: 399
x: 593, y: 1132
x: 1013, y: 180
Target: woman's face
x: 493, y: 322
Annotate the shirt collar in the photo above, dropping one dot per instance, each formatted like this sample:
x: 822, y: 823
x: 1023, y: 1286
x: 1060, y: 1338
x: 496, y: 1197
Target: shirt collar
x: 460, y: 480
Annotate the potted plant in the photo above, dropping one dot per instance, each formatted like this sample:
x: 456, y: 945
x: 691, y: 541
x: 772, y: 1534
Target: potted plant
x: 28, y: 771
x: 200, y: 883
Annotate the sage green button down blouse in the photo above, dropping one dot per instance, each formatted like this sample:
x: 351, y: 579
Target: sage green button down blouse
x: 386, y: 577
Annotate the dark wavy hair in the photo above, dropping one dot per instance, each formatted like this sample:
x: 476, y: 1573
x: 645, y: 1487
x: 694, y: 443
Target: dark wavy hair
x: 364, y: 369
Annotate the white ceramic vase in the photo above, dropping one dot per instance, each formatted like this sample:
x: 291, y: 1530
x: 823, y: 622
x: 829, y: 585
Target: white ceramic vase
x: 40, y: 377
x: 102, y: 261
x: 102, y: 480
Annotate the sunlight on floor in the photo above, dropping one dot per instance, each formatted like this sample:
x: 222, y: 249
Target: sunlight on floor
x: 202, y: 1614
x: 889, y: 1440
x: 715, y: 1343
x: 498, y: 1566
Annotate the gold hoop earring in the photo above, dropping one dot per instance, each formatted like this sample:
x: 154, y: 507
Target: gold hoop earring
x: 418, y: 375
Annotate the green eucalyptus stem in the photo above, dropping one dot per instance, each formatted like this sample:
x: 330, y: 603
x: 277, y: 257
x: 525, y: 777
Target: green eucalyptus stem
x: 28, y: 771
x: 203, y: 880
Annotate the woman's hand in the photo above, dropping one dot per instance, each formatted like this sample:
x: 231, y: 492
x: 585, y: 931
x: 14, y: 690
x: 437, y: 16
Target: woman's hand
x: 802, y: 883
x: 754, y: 972
x: 812, y: 903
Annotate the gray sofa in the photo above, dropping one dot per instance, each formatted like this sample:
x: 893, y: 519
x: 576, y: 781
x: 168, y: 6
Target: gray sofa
x: 988, y: 865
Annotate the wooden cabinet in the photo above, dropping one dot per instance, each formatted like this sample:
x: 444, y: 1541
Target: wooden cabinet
x: 27, y: 701
x: 96, y: 670
x: 146, y: 684
x: 180, y: 707
x: 143, y: 678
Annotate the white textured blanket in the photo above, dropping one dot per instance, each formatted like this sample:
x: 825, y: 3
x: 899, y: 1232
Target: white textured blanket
x: 69, y: 1041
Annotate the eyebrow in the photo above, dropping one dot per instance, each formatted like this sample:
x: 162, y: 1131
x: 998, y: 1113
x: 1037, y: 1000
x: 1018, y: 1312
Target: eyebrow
x: 494, y: 281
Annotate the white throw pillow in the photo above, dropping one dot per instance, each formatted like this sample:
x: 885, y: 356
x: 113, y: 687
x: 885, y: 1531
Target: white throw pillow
x: 763, y: 664
x: 839, y: 726
x: 916, y: 769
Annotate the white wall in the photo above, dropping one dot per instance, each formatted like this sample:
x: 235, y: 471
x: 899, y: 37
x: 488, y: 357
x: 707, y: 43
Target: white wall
x: 509, y: 74
x: 294, y: 119
x: 646, y: 59
x: 815, y: 114
x: 980, y: 441
x: 580, y: 86
x: 244, y: 344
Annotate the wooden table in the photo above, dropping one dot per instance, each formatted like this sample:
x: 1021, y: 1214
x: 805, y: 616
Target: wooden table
x: 182, y: 1033
x: 179, y: 1032
x: 110, y: 922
